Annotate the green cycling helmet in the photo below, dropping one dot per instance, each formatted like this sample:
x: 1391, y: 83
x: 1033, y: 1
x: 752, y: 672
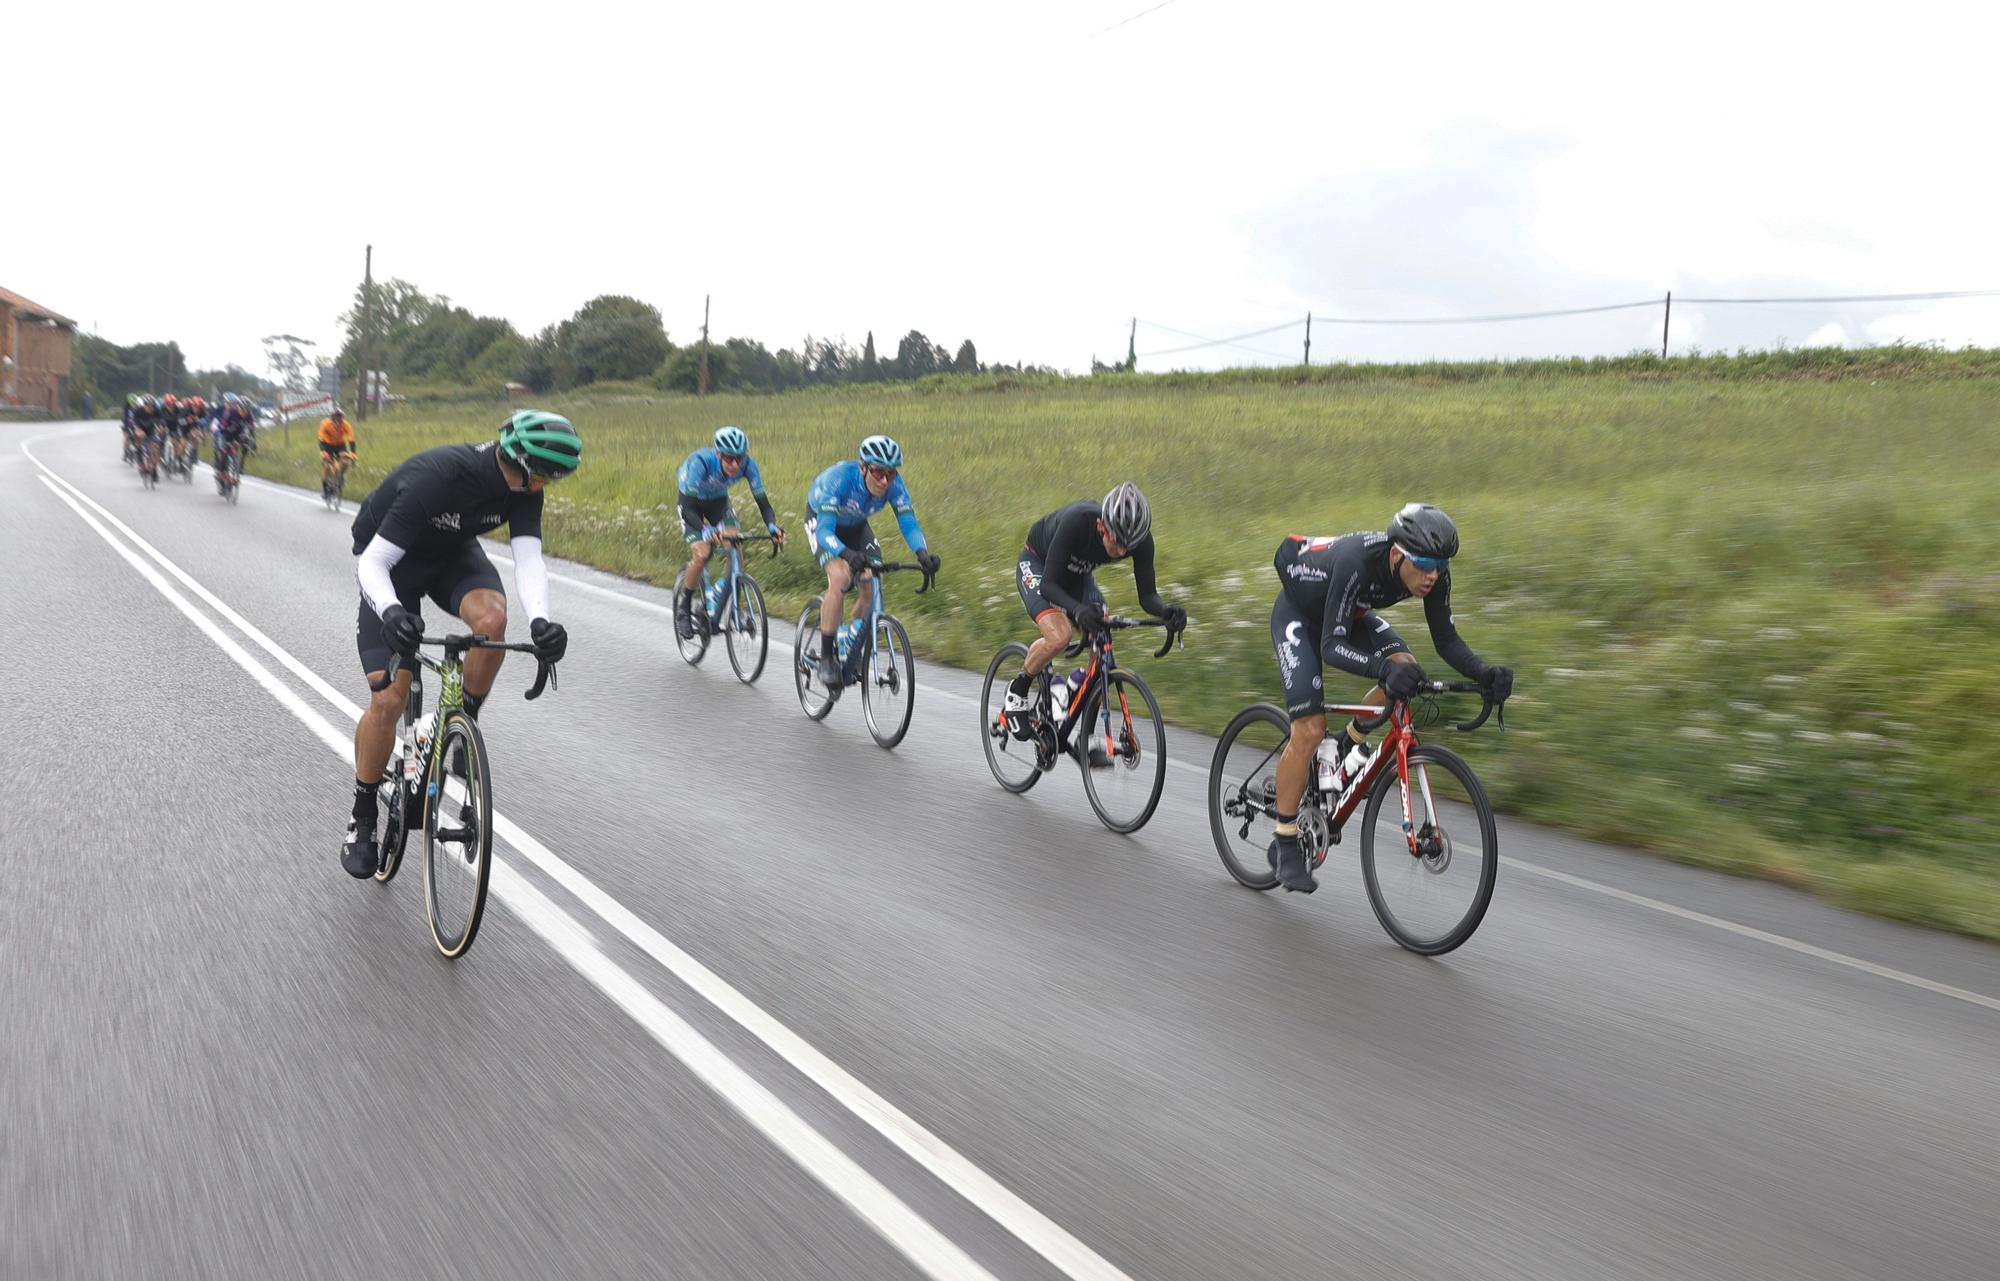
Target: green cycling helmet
x: 540, y: 443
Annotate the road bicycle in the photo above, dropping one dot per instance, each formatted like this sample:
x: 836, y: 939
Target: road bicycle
x: 730, y: 602
x: 228, y: 470
x: 1429, y: 847
x: 875, y: 656
x: 437, y: 766
x: 149, y: 459
x: 1104, y: 717
x: 332, y: 489
x: 186, y: 455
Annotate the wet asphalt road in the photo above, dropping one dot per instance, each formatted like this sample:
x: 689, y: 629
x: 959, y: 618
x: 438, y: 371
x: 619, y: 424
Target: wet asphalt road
x: 758, y: 1000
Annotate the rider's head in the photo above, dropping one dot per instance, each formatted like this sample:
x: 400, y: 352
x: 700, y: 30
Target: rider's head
x: 542, y: 446
x: 339, y: 415
x: 1124, y: 519
x: 733, y: 448
x: 881, y: 458
x: 1422, y: 541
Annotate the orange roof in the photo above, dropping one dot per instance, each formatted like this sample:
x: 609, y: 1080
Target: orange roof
x: 30, y: 308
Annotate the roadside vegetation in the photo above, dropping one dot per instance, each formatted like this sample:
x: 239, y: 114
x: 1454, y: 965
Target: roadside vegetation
x: 1752, y: 600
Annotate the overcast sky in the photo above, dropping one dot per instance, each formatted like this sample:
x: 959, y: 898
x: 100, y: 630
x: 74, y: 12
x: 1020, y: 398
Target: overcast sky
x: 1015, y: 173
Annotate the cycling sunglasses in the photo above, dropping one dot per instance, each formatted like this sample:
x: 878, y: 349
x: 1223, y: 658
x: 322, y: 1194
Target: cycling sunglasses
x: 1428, y: 564
x: 880, y: 473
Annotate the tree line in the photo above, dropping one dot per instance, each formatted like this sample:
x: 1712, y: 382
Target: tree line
x: 417, y: 336
x: 110, y: 372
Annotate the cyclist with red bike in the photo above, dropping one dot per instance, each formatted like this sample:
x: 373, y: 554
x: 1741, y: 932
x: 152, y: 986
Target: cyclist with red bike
x: 1326, y: 613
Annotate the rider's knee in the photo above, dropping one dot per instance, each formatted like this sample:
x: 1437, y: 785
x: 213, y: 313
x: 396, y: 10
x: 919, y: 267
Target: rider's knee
x: 838, y: 575
x: 1309, y: 731
x: 486, y: 614
x: 388, y: 702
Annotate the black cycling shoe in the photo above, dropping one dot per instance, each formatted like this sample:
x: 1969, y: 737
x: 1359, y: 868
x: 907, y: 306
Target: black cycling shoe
x: 829, y: 668
x: 358, y: 857
x: 684, y: 614
x: 1097, y: 757
x: 1288, y: 860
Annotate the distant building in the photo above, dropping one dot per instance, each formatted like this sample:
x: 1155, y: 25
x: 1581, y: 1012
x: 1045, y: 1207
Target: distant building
x: 34, y: 354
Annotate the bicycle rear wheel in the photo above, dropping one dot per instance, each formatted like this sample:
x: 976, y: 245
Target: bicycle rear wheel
x: 814, y: 698
x: 1242, y: 792
x: 1126, y: 790
x: 746, y: 629
x: 693, y: 647
x: 889, y: 683
x: 1430, y: 900
x: 1011, y: 760
x: 458, y: 836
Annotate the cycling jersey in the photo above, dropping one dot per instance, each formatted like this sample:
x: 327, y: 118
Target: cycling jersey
x: 432, y: 505
x: 335, y: 433
x: 1062, y: 551
x: 839, y: 500
x: 701, y: 476
x: 1330, y: 585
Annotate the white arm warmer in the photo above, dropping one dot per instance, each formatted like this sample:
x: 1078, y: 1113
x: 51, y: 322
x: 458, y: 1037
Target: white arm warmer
x: 377, y: 559
x: 531, y: 577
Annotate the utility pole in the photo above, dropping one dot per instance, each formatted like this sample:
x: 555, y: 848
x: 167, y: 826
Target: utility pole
x: 1666, y: 324
x: 1309, y: 339
x: 704, y: 345
x: 1132, y: 348
x: 367, y: 321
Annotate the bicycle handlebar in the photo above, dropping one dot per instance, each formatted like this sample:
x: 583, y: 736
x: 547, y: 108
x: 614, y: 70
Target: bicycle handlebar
x: 739, y: 538
x: 545, y: 673
x: 891, y: 567
x: 1487, y: 706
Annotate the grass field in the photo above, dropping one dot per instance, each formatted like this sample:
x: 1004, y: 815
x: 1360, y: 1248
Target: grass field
x: 1753, y: 616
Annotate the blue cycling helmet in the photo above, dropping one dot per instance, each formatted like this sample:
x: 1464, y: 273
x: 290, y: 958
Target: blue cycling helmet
x: 882, y: 452
x: 730, y: 442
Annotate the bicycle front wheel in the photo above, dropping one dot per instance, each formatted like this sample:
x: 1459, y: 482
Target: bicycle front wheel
x: 889, y: 685
x: 814, y: 698
x: 746, y: 629
x: 1011, y: 760
x: 1430, y: 899
x: 458, y: 836
x: 1243, y: 790
x: 1124, y: 760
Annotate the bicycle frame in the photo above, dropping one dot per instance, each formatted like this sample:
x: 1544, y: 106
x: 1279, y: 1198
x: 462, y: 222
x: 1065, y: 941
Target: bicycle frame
x: 725, y: 602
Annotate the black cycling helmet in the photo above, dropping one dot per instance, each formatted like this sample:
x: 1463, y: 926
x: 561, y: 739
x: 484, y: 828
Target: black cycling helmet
x: 1127, y: 514
x: 1423, y: 530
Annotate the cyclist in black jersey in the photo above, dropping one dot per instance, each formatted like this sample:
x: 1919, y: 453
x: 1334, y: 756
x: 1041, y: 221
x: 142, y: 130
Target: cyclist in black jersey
x: 1325, y: 612
x: 1055, y: 577
x: 418, y: 535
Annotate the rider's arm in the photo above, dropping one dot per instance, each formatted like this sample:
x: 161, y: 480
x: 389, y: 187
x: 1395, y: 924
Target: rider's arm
x: 1451, y: 647
x: 756, y: 479
x: 906, y: 516
x: 377, y: 559
x: 531, y: 575
x: 1142, y: 577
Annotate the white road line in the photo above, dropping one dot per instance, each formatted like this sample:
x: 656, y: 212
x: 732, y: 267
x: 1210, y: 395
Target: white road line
x: 1533, y: 869
x: 942, y: 1161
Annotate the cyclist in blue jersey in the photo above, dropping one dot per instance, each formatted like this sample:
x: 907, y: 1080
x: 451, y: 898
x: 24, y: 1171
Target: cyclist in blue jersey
x: 842, y: 499
x: 705, y: 478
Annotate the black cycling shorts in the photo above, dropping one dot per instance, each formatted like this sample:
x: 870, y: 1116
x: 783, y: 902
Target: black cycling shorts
x: 858, y: 537
x: 698, y: 513
x: 1295, y: 637
x: 1029, y: 574
x: 332, y: 451
x: 446, y: 580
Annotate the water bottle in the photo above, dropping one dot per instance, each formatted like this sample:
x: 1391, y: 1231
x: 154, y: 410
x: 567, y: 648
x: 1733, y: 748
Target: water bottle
x: 1327, y: 761
x: 714, y: 594
x: 1063, y: 689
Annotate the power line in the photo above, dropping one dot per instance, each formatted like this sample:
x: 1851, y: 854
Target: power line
x: 1480, y: 320
x: 1134, y: 18
x: 1234, y: 341
x: 1962, y: 293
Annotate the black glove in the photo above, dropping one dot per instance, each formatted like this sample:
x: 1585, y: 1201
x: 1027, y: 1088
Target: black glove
x: 1498, y: 682
x: 1175, y: 618
x: 1090, y: 617
x: 551, y: 641
x: 403, y: 630
x: 1400, y: 681
x: 930, y: 561
x: 856, y: 560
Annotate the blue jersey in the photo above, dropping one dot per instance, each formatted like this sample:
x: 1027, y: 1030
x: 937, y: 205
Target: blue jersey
x: 701, y: 476
x: 840, y: 497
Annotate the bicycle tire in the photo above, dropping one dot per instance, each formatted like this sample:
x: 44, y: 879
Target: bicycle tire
x: 396, y: 827
x: 804, y: 647
x: 472, y: 857
x: 1131, y: 749
x: 693, y: 647
x: 1475, y: 796
x: 898, y: 672
x: 1257, y: 875
x: 748, y: 629
x: 1013, y: 654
